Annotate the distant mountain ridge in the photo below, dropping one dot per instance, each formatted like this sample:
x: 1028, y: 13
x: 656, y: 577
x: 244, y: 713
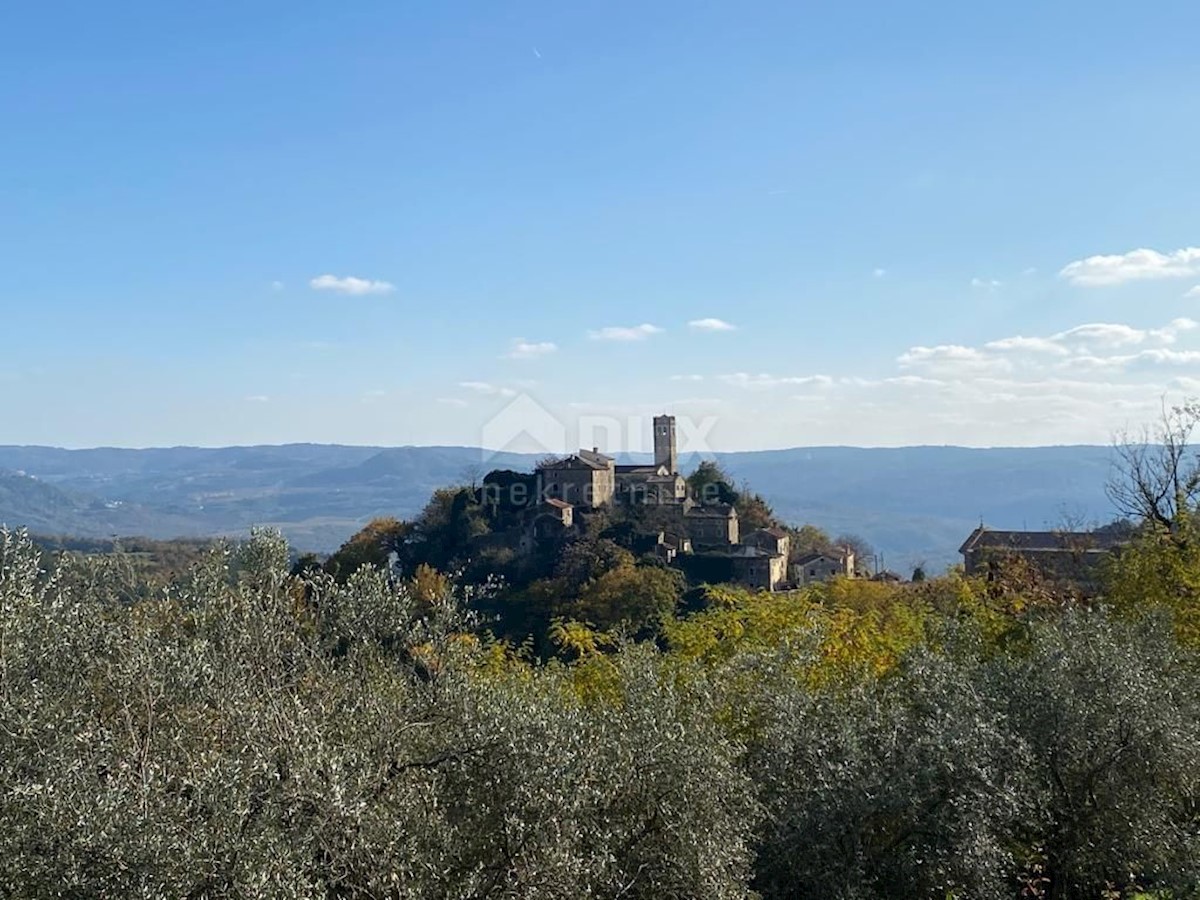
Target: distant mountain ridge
x: 915, y: 504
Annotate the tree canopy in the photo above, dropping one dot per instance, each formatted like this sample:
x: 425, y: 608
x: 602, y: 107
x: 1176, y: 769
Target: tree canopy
x: 250, y: 731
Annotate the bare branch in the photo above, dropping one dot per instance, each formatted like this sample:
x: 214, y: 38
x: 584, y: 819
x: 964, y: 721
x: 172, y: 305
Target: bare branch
x: 1156, y: 476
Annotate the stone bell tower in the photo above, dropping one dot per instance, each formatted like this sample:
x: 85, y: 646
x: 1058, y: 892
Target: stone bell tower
x: 664, y: 443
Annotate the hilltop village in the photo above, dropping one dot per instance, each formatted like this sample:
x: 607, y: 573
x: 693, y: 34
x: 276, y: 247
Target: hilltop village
x: 693, y: 528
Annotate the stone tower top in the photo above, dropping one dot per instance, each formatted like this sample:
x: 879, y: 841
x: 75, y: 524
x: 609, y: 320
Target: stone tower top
x: 664, y: 443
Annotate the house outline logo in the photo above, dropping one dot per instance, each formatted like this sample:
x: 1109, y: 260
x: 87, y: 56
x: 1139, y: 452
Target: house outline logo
x: 523, y: 426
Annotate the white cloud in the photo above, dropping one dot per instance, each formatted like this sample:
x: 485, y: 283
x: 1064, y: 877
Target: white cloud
x: 914, y: 381
x: 350, y: 285
x: 523, y: 349
x: 989, y: 283
x: 1194, y: 293
x: 1108, y: 334
x: 1022, y: 344
x: 622, y: 333
x: 1136, y: 265
x: 909, y: 381
x: 487, y: 389
x: 1072, y: 385
x: 953, y: 358
x: 1094, y: 346
x: 955, y: 352
x: 453, y: 401
x: 763, y: 381
x: 258, y: 398
x: 1143, y: 359
x: 1089, y: 362
x: 711, y: 325
x: 1173, y: 330
x: 1161, y: 356
x: 1104, y: 334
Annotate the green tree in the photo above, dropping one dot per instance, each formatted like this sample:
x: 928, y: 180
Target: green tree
x: 306, y: 564
x: 912, y: 786
x: 709, y: 484
x: 753, y: 510
x: 809, y: 539
x: 442, y: 532
x: 637, y: 597
x: 1159, y: 571
x: 221, y: 740
x: 1111, y: 714
x: 582, y: 562
x: 371, y: 546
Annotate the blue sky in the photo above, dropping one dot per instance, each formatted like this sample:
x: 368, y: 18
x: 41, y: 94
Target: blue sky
x: 382, y: 223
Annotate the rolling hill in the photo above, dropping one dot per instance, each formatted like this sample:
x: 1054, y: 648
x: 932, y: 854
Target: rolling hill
x: 914, y: 503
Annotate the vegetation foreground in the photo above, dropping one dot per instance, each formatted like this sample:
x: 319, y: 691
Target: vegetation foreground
x: 247, y: 731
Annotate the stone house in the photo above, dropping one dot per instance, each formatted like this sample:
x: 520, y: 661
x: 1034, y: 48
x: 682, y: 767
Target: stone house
x: 712, y: 526
x: 762, y: 558
x: 586, y: 478
x: 544, y: 526
x: 679, y: 543
x: 759, y: 568
x: 1068, y: 557
x: 775, y: 541
x: 553, y: 516
x: 649, y: 484
x: 816, y: 567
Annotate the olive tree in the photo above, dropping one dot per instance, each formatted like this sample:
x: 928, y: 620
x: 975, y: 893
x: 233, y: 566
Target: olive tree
x: 906, y: 787
x: 249, y: 733
x: 1110, y: 712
